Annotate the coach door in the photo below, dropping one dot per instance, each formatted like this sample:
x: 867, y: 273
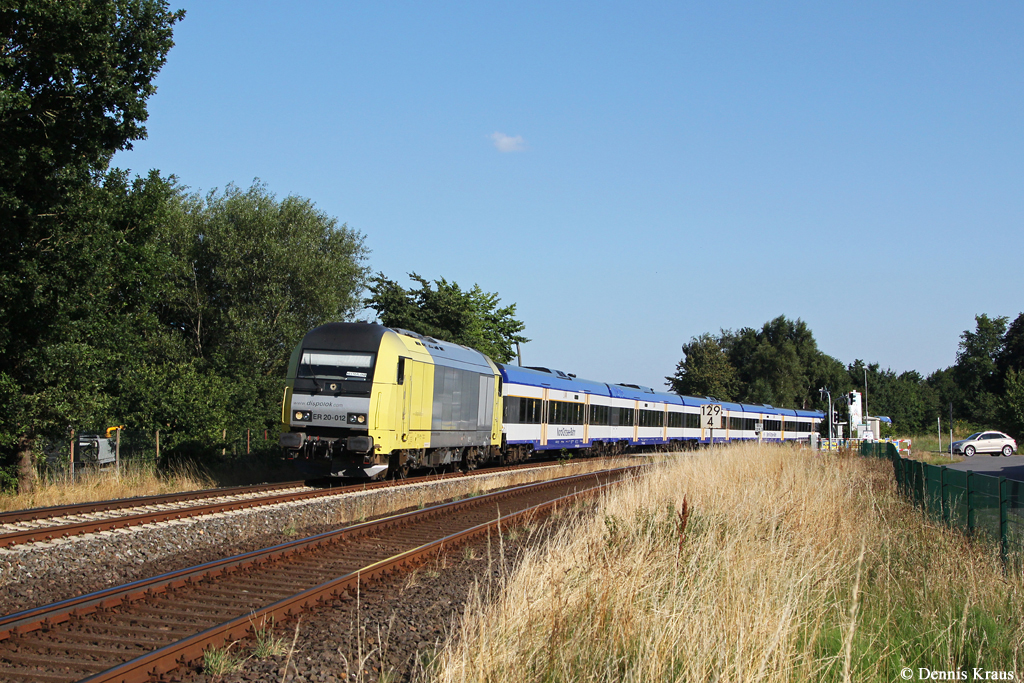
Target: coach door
x: 404, y: 381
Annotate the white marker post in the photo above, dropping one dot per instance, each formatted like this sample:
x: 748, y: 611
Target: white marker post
x: 711, y: 419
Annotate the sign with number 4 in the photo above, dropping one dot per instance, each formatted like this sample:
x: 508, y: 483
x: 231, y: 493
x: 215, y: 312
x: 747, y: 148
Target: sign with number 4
x: 711, y: 416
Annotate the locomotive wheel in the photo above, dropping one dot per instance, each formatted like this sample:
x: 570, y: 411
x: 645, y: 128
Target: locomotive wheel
x: 469, y: 460
x: 398, y: 465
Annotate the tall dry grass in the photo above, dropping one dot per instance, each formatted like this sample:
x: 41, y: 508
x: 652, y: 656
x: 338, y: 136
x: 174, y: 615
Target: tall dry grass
x: 134, y: 478
x: 792, y: 566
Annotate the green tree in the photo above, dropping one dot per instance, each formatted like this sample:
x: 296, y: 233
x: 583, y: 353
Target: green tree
x: 248, y: 276
x: 444, y: 311
x: 1013, y: 404
x: 780, y: 364
x: 975, y: 370
x: 705, y: 370
x: 74, y: 80
x: 906, y: 398
x: 1011, y: 353
x: 93, y: 304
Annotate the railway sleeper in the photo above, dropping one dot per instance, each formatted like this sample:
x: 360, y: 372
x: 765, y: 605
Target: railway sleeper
x: 48, y: 663
x: 34, y: 677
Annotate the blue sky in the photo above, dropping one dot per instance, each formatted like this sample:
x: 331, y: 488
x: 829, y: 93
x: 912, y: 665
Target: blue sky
x: 635, y: 174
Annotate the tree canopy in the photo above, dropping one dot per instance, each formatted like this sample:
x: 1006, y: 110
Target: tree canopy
x: 74, y: 80
x: 444, y: 310
x: 779, y: 364
x: 705, y: 370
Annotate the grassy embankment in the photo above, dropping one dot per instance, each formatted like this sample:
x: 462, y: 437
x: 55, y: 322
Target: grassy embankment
x: 791, y: 566
x: 144, y: 477
x: 133, y: 479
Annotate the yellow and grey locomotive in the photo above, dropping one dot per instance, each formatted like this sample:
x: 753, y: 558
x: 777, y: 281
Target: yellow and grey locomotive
x: 374, y: 399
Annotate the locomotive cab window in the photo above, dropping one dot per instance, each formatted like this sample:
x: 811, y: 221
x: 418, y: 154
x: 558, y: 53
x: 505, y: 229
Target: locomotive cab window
x: 351, y: 366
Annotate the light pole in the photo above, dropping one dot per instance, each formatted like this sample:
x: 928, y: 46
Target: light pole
x: 865, y: 400
x: 823, y: 393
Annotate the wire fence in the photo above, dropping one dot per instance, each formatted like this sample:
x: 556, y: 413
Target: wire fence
x: 104, y: 448
x: 975, y: 503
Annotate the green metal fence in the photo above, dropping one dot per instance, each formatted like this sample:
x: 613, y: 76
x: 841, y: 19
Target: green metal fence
x: 975, y: 503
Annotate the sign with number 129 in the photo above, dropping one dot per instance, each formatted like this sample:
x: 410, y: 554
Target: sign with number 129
x: 711, y: 416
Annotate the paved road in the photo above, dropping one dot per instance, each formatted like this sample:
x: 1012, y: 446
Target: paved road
x: 996, y: 466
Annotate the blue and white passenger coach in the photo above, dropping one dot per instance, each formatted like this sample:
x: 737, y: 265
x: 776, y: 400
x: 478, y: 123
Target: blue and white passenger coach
x: 546, y: 409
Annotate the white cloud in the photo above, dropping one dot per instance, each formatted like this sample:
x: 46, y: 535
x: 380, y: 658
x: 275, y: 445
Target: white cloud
x: 507, y: 143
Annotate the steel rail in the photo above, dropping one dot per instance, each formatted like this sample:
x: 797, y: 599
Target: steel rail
x: 49, y: 533
x: 56, y: 613
x: 170, y: 657
x: 34, y: 514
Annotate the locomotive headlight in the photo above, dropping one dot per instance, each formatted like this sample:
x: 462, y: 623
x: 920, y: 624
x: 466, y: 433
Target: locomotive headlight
x: 357, y: 418
x: 302, y: 416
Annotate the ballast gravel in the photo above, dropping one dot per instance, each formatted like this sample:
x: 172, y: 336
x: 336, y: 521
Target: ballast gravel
x: 42, y: 573
x: 390, y: 633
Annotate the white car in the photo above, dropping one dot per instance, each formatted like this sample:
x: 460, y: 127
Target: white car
x: 986, y: 442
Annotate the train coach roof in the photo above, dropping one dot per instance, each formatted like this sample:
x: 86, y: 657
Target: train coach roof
x: 550, y: 379
x: 810, y: 413
x: 622, y: 391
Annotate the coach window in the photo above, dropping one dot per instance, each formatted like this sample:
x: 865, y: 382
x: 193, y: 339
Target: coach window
x: 511, y: 410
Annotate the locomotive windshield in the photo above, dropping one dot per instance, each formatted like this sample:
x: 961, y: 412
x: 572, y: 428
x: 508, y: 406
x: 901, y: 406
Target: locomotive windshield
x: 347, y: 365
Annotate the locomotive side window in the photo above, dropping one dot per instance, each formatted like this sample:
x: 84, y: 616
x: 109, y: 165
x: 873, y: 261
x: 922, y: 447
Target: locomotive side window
x: 457, y: 405
x: 357, y: 367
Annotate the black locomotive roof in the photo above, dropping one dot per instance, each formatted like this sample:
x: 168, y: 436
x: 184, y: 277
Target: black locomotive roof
x: 345, y: 337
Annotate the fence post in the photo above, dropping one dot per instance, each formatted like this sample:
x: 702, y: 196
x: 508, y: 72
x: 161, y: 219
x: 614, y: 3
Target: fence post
x: 970, y: 504
x: 943, y: 508
x: 1004, y: 518
x: 117, y: 451
x: 158, y: 446
x: 248, y: 443
x: 71, y: 456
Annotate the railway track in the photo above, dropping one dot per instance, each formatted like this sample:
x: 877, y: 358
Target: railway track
x: 143, y: 629
x: 46, y: 524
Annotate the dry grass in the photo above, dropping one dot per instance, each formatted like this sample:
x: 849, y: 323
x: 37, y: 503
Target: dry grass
x: 792, y: 566
x: 133, y: 479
